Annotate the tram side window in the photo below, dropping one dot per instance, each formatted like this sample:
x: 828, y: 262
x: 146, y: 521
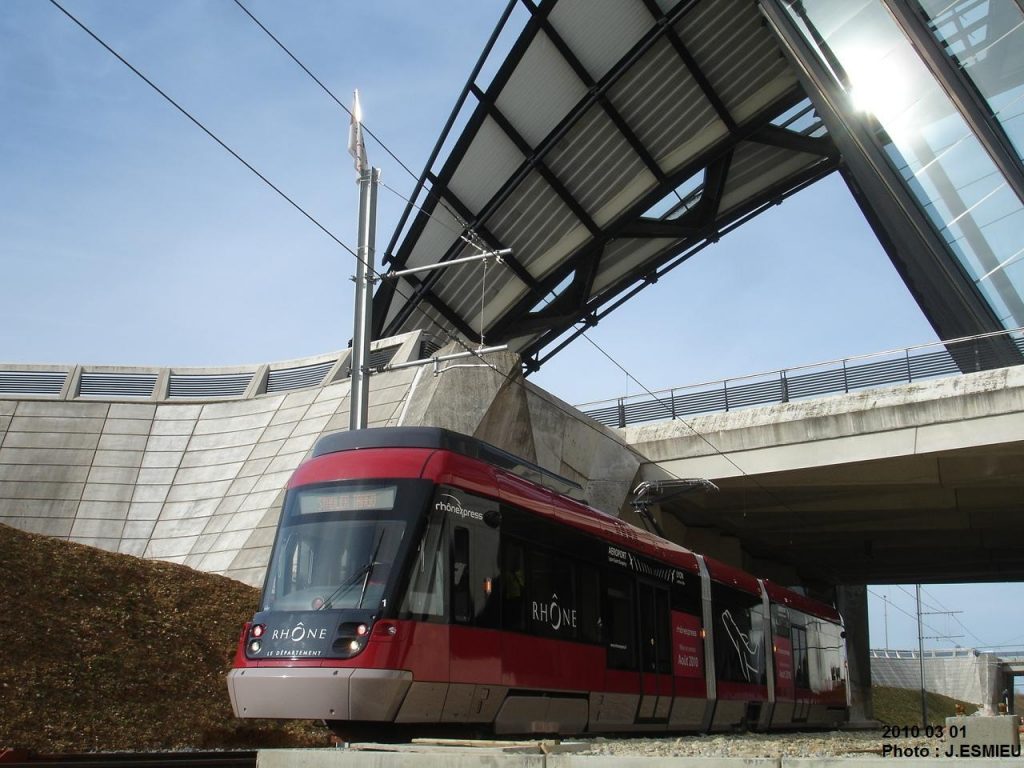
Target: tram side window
x: 513, y: 580
x: 552, y: 609
x: 739, y: 635
x: 620, y: 625
x: 588, y: 601
x: 462, y: 600
x: 654, y: 629
x: 474, y: 575
x: 780, y: 621
x: 686, y: 596
x: 801, y: 665
x: 425, y: 596
x: 831, y: 661
x: 817, y: 653
x: 486, y: 584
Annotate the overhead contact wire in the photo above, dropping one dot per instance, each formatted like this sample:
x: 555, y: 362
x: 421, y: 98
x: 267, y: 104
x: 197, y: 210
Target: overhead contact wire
x: 234, y: 154
x: 341, y: 104
x: 906, y: 613
x: 202, y: 127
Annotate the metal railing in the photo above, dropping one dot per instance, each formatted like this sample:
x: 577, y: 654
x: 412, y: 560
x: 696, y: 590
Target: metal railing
x: 898, y: 366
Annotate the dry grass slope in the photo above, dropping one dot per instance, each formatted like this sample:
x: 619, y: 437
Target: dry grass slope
x: 902, y: 706
x: 108, y: 652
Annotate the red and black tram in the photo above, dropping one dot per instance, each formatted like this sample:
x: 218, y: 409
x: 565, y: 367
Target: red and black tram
x: 422, y: 577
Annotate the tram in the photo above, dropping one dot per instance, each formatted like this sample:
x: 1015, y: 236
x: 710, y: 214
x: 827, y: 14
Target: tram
x: 420, y: 577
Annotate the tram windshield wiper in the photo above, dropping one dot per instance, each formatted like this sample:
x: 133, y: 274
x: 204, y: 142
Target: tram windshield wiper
x: 363, y: 573
x: 369, y: 568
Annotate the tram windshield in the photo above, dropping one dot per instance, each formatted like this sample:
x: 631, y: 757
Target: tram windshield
x: 339, y: 544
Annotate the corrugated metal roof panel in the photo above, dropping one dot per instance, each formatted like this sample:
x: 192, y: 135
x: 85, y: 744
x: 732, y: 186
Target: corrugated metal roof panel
x: 538, y: 226
x: 540, y: 92
x: 403, y: 291
x: 600, y: 32
x: 594, y: 160
x: 666, y: 108
x: 426, y: 316
x: 625, y: 255
x: 438, y: 233
x: 461, y: 289
x: 492, y: 158
x: 738, y: 54
x: 756, y: 167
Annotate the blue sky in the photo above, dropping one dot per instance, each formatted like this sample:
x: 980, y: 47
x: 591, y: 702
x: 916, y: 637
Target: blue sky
x: 129, y: 237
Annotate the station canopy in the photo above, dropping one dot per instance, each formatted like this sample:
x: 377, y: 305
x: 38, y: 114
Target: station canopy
x: 613, y: 140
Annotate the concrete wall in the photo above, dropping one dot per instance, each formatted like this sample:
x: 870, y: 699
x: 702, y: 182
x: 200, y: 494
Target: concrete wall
x: 964, y: 674
x: 201, y: 482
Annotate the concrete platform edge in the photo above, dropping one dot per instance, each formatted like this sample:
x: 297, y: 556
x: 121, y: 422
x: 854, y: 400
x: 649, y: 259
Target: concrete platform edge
x: 340, y: 758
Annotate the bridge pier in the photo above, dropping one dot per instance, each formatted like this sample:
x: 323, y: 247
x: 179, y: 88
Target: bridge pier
x: 852, y: 603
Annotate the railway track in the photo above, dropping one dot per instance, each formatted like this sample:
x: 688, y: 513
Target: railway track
x: 131, y: 760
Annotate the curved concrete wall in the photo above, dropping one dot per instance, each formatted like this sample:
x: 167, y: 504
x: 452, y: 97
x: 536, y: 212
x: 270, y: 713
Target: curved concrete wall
x: 201, y: 482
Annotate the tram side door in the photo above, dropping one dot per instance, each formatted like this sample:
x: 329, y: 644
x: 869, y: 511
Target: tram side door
x: 655, y: 653
x: 475, y: 642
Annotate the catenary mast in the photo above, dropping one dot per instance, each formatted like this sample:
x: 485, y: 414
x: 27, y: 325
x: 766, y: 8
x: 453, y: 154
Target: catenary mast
x: 368, y: 179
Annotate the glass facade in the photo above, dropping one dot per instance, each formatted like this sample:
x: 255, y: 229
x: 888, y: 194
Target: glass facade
x: 899, y: 102
x: 985, y: 40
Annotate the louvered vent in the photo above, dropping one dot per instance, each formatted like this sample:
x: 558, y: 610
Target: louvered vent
x: 32, y: 382
x: 209, y: 385
x: 298, y: 378
x: 378, y: 359
x: 116, y: 384
x: 428, y: 348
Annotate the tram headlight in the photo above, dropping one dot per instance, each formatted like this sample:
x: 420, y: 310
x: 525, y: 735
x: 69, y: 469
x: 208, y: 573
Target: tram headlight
x: 254, y: 646
x: 258, y: 629
x: 353, y: 637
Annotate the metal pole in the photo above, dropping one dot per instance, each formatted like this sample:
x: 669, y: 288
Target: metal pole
x: 362, y: 322
x: 920, y: 653
x: 885, y: 619
x: 449, y: 263
x: 479, y: 352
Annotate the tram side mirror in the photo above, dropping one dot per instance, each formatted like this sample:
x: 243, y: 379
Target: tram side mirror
x: 492, y: 517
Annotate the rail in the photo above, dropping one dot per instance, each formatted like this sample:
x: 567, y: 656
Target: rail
x: 226, y: 759
x: 896, y: 366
